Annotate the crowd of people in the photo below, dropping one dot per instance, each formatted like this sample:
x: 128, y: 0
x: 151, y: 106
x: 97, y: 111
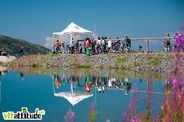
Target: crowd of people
x: 102, y: 45
x: 93, y: 46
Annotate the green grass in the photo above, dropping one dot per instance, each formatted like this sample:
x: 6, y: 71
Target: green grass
x: 131, y: 66
x: 84, y: 66
x: 154, y: 62
x: 114, y: 67
x: 122, y: 60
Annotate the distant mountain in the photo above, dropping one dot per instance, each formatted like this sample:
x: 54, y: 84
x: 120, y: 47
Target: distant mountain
x: 12, y: 46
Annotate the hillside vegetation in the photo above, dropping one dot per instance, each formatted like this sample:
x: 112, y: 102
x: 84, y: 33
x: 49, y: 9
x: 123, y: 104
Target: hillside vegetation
x: 12, y: 46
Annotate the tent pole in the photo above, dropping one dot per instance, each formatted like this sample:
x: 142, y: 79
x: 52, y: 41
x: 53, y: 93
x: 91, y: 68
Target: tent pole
x: 53, y: 87
x: 53, y: 42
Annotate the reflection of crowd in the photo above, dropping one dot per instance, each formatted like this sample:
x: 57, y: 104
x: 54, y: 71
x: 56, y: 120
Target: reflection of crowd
x: 57, y: 80
x: 87, y: 82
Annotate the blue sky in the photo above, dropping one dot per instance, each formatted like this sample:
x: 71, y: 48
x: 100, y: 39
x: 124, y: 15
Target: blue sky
x: 33, y: 20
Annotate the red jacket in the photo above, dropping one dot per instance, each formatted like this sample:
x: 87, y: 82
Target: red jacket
x: 87, y: 44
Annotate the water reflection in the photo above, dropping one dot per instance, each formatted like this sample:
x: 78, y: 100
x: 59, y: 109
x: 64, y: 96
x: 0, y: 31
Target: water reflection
x: 22, y: 75
x: 82, y: 87
x: 87, y: 82
x: 3, y: 70
x: 111, y: 96
x: 73, y: 96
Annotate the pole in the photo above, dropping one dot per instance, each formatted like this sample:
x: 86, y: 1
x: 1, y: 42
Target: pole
x: 53, y: 87
x: 94, y: 27
x: 130, y: 25
x: 0, y: 91
x: 147, y: 45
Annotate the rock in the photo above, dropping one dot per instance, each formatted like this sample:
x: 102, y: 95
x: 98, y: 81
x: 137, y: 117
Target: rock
x: 6, y: 59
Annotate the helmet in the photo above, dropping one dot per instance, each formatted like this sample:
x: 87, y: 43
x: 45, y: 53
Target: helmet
x: 167, y: 34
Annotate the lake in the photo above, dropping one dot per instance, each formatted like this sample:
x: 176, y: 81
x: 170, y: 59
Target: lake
x: 81, y: 96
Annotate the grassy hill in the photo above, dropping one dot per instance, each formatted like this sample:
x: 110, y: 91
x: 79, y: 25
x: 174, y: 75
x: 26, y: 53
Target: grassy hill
x: 12, y: 46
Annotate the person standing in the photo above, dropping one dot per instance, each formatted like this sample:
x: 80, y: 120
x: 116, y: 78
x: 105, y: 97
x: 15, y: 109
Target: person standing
x: 80, y: 49
x: 93, y: 46
x: 127, y: 43
x: 109, y: 44
x: 140, y: 48
x: 167, y: 43
x: 57, y: 46
x: 21, y: 51
x: 87, y: 43
x: 84, y: 44
x: 98, y: 46
x: 71, y: 46
x: 103, y: 45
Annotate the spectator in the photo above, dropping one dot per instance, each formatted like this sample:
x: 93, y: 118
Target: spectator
x: 21, y: 51
x: 57, y: 46
x: 167, y: 43
x: 140, y: 48
x: 127, y: 43
x: 71, y: 46
x: 109, y: 45
x: 98, y: 45
x: 93, y: 43
x: 103, y: 45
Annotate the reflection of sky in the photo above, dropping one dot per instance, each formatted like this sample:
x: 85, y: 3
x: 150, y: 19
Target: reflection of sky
x: 37, y: 91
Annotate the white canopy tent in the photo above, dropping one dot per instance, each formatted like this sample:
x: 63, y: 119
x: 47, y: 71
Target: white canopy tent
x: 71, y: 32
x: 73, y: 29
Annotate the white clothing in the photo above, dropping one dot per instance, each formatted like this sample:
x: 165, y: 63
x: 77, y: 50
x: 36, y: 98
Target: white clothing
x: 99, y: 42
x: 109, y: 43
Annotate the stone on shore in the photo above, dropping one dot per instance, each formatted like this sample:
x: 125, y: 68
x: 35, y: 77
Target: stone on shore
x: 160, y: 62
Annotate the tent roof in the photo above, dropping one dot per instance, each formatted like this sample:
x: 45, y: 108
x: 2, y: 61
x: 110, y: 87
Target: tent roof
x: 72, y: 28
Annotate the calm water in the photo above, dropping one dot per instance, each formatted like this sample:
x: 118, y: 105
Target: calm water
x: 110, y: 96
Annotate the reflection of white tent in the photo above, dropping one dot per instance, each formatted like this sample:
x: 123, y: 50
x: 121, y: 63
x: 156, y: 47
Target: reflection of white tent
x: 73, y: 29
x: 72, y: 97
x: 2, y: 68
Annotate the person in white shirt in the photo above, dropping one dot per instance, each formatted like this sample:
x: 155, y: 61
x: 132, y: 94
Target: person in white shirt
x: 103, y: 44
x: 99, y: 41
x: 98, y: 44
x: 109, y: 44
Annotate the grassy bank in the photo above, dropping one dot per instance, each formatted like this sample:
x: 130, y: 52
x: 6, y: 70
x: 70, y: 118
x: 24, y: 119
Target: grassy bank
x: 160, y: 62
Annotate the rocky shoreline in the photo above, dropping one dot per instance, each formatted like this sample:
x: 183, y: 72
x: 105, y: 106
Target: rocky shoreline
x: 160, y: 62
